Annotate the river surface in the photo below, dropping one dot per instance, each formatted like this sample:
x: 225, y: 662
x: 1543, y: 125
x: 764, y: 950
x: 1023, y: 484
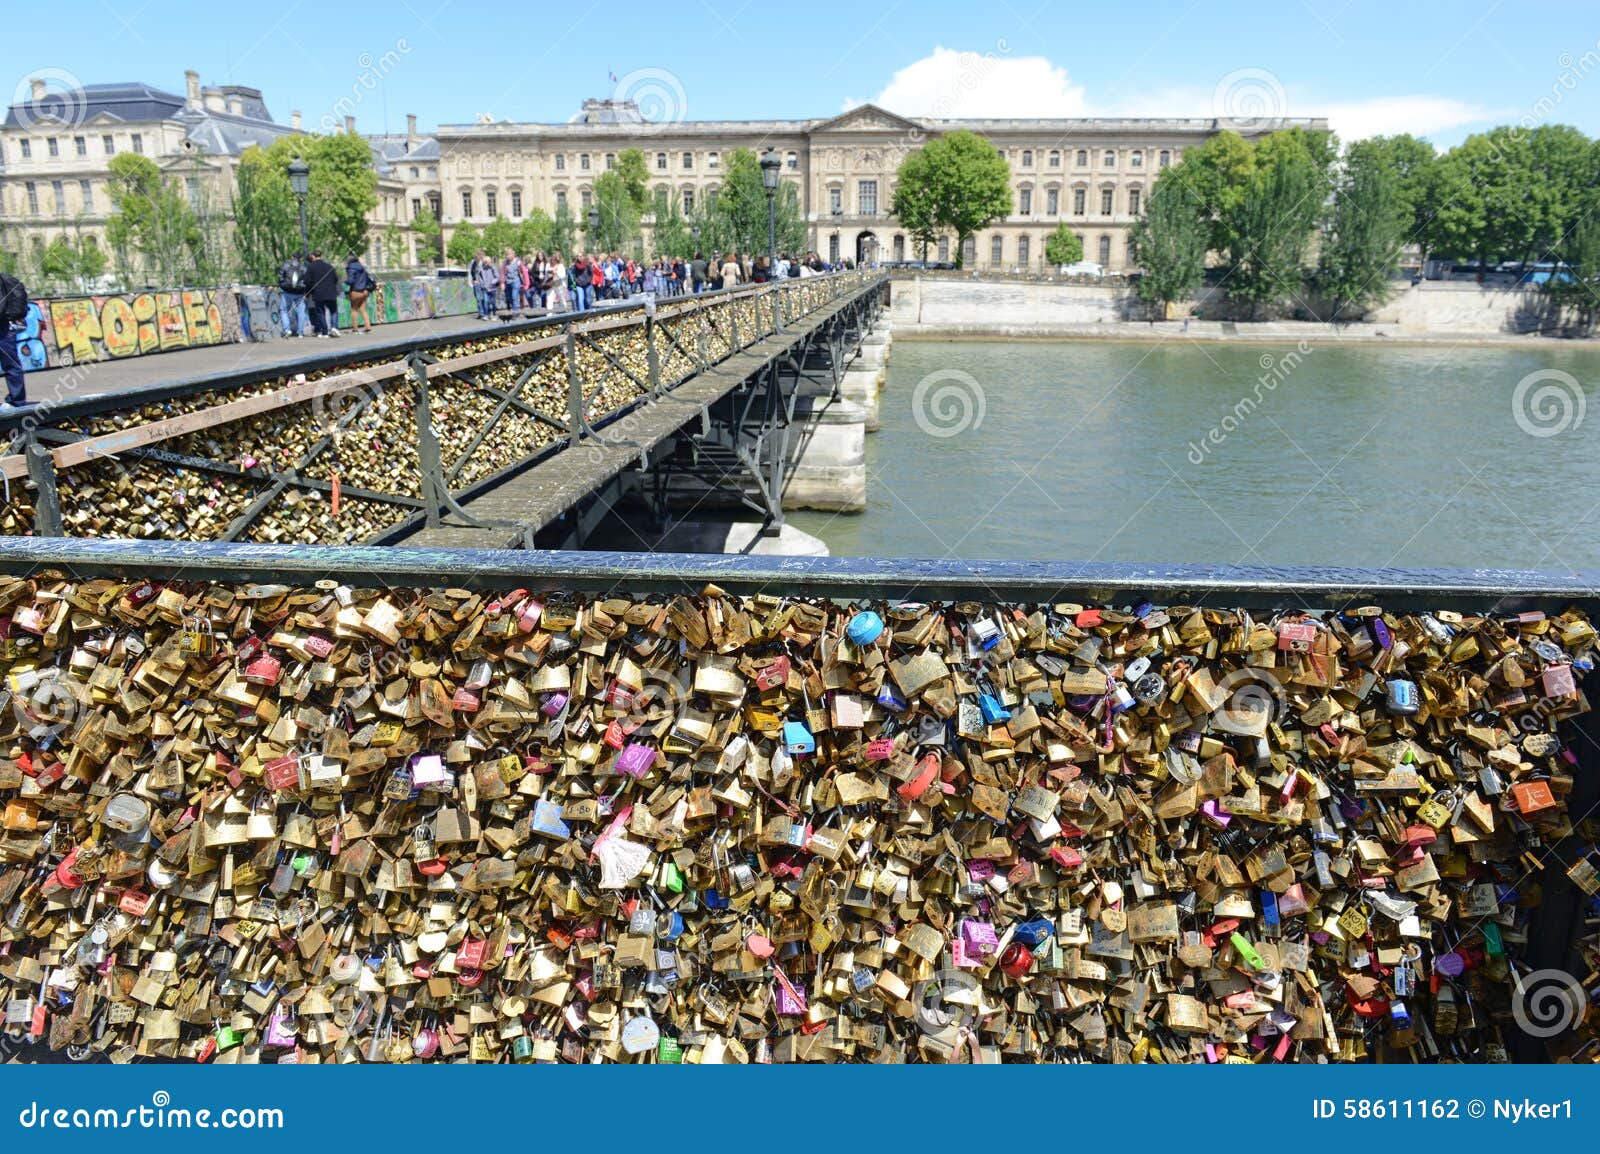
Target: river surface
x: 1438, y: 455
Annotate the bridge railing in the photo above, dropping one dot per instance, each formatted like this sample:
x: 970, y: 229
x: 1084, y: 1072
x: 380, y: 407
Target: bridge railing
x: 327, y: 450
x: 1269, y: 766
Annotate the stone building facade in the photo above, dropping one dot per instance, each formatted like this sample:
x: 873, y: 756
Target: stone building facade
x: 1093, y: 174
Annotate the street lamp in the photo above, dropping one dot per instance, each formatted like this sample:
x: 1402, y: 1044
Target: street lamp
x: 594, y: 224
x: 770, y: 164
x: 300, y: 181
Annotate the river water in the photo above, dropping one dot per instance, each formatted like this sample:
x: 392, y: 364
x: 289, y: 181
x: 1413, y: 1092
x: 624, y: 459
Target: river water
x: 1437, y: 455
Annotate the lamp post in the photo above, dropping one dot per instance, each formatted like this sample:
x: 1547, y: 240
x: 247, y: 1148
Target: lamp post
x: 300, y: 181
x: 594, y: 223
x: 770, y: 164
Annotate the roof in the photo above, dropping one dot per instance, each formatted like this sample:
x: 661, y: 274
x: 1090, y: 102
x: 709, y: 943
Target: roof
x: 223, y: 134
x: 389, y: 150
x: 134, y: 101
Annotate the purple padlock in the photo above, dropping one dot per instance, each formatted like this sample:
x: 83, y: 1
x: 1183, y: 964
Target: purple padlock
x: 280, y: 1029
x: 978, y: 938
x: 554, y: 704
x: 635, y: 759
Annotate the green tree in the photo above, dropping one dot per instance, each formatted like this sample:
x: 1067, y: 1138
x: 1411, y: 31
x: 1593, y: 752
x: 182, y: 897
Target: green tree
x: 464, y: 244
x: 1270, y: 232
x: 1215, y: 177
x: 914, y: 204
x: 1412, y: 163
x: 343, y: 189
x: 1577, y: 279
x: 619, y: 216
x: 563, y: 231
x: 1483, y: 196
x: 735, y: 216
x: 427, y: 226
x: 1063, y: 246
x: 1168, y: 243
x: 669, y: 235
x: 1364, y: 233
x: 634, y: 173
x: 533, y: 234
x: 966, y: 182
x: 498, y: 235
x: 154, y: 233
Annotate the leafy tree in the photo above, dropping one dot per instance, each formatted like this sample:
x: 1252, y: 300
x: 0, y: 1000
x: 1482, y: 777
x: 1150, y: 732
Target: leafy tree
x: 1169, y: 244
x: 427, y: 226
x: 464, y: 244
x: 498, y: 235
x: 619, y: 216
x: 735, y: 215
x: 1577, y: 280
x: 343, y: 189
x: 1063, y: 246
x: 563, y: 231
x: 913, y: 203
x: 1269, y: 234
x: 533, y: 234
x: 670, y: 235
x: 965, y: 182
x: 634, y: 173
x: 1364, y: 234
x: 1479, y: 211
x: 1215, y: 177
x: 154, y: 233
x: 1413, y: 163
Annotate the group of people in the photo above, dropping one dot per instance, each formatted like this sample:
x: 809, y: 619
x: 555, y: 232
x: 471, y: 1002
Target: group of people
x: 546, y: 281
x: 309, y: 284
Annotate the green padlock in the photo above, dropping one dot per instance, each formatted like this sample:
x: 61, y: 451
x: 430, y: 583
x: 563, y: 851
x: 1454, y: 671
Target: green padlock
x: 522, y: 1048
x: 668, y: 1051
x: 1491, y: 940
x: 1246, y: 951
x: 227, y: 1038
x: 672, y: 877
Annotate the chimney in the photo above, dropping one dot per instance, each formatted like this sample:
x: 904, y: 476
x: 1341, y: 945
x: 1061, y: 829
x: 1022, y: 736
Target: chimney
x: 411, y: 129
x: 36, y: 87
x: 235, y: 105
x: 192, y: 78
x: 350, y: 124
x: 294, y: 120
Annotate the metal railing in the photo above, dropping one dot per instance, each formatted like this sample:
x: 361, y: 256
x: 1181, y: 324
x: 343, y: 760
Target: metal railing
x: 470, y: 415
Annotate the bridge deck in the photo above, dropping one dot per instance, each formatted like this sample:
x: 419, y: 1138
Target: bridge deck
x: 540, y: 495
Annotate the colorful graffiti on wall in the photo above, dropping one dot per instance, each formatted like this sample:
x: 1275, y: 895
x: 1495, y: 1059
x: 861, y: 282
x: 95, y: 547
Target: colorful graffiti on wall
x: 101, y: 328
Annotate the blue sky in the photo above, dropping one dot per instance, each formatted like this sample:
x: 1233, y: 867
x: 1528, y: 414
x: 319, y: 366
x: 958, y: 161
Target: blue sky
x: 1440, y: 69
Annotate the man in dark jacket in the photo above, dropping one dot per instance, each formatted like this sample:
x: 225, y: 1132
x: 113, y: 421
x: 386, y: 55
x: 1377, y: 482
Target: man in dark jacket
x: 292, y: 304
x: 13, y: 312
x: 697, y: 272
x: 322, y: 286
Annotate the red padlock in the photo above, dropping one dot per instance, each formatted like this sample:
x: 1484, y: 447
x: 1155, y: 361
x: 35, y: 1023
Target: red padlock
x: 1017, y: 960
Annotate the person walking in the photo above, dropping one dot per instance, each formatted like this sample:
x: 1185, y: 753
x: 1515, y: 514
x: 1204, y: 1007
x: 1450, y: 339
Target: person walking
x: 697, y: 273
x: 322, y: 286
x: 292, y: 296
x: 511, y: 280
x: 485, y: 283
x: 358, y: 286
x: 556, y: 298
x: 730, y: 271
x: 578, y: 283
x: 13, y: 315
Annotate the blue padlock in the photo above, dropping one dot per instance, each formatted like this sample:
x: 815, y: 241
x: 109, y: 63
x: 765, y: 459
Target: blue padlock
x: 1269, y: 908
x: 1399, y: 1015
x: 712, y: 900
x: 1401, y: 697
x: 864, y: 628
x: 670, y: 929
x: 797, y: 738
x: 993, y: 712
x: 890, y: 699
x: 1034, y: 931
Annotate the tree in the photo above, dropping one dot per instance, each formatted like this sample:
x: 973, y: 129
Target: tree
x: 1412, y: 163
x: 498, y: 235
x: 1169, y: 244
x: 343, y: 189
x: 670, y: 235
x: 913, y: 203
x: 1576, y: 280
x: 619, y: 216
x: 1269, y: 233
x: 1063, y: 246
x: 465, y: 242
x: 735, y: 214
x: 533, y: 234
x: 154, y: 234
x: 962, y: 179
x: 634, y: 173
x: 426, y: 226
x: 1215, y: 176
x: 1364, y: 234
x: 563, y: 231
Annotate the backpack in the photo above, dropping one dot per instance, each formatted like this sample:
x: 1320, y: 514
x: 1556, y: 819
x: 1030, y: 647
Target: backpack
x: 13, y: 300
x: 292, y: 276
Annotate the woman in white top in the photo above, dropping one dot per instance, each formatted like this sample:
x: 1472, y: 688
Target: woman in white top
x: 559, y: 301
x: 730, y: 271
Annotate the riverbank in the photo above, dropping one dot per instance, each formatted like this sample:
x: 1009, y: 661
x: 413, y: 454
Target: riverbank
x: 1199, y: 332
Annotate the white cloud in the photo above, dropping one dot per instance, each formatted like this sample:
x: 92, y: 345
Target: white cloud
x: 977, y: 85
x: 1420, y: 115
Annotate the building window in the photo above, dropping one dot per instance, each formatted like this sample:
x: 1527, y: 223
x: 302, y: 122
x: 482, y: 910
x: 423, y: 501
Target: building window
x: 80, y: 145
x: 86, y: 196
x: 491, y: 204
x: 561, y: 199
x: 1022, y: 251
x: 33, y: 199
x: 1025, y: 202
x: 1077, y: 202
x: 836, y: 201
x: 1133, y: 202
x: 1110, y: 159
x: 1027, y: 158
x: 611, y: 161
x: 53, y: 145
x: 899, y: 246
x: 109, y: 143
x: 661, y: 162
x: 969, y: 251
x: 944, y: 249
x: 1052, y: 201
x: 687, y: 161
x: 1163, y: 158
x: 516, y: 204
x: 1105, y: 250
x: 416, y: 207
x: 833, y: 247
x: 688, y: 201
x: 561, y: 163
x: 27, y: 149
x: 466, y: 204
x: 583, y: 161
x: 1105, y: 201
x: 1083, y: 158
x: 585, y: 198
x: 1055, y: 158
x: 416, y: 172
x: 1136, y: 159
x: 867, y: 197
x: 61, y: 197
x: 712, y: 160
x: 136, y: 142
x: 997, y: 249
x: 791, y: 161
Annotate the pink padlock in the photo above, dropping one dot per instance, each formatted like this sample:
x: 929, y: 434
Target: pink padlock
x: 280, y: 1030
x: 979, y: 938
x: 635, y: 759
x: 554, y: 704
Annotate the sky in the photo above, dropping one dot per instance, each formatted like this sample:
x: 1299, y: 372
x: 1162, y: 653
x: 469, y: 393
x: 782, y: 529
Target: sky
x: 1439, y: 70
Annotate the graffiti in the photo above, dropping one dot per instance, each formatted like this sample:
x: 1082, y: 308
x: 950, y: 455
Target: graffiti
x: 111, y: 327
x: 30, y: 340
